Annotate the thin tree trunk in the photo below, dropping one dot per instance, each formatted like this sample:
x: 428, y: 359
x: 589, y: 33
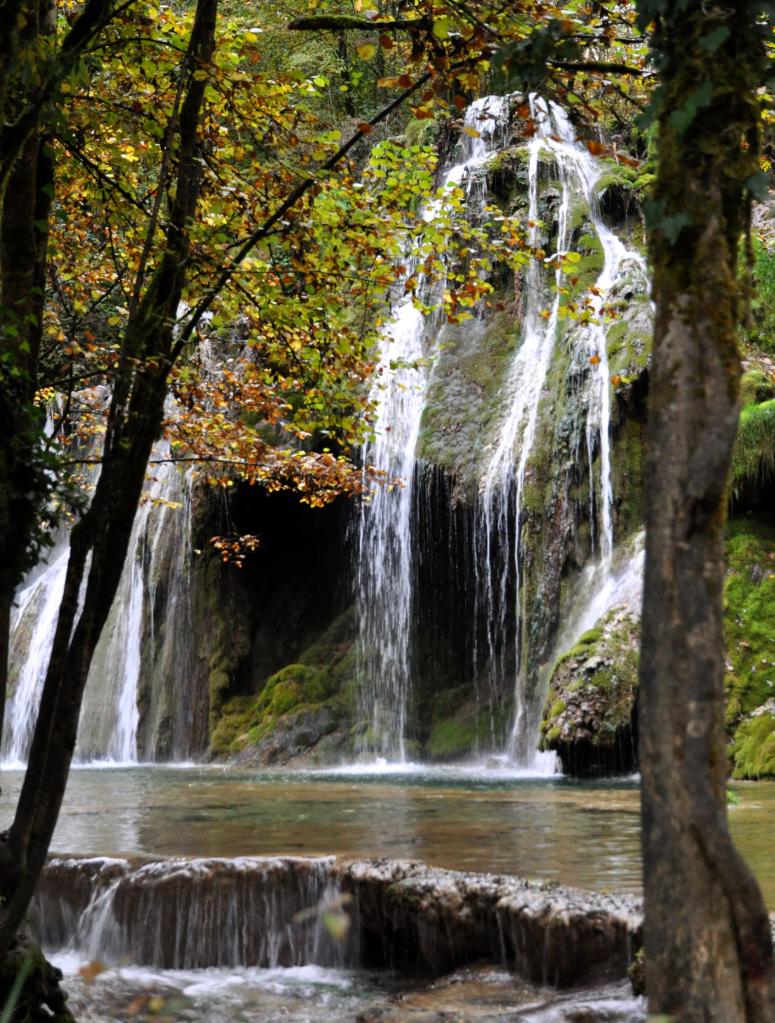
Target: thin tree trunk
x: 708, y: 949
x: 99, y: 542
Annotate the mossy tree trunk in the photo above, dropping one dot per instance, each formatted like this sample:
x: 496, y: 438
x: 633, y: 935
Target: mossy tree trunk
x: 708, y: 948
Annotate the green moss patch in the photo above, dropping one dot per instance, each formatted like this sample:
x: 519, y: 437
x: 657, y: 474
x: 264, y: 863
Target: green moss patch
x: 749, y: 621
x: 592, y: 695
x: 753, y: 459
x: 761, y: 330
x: 322, y: 678
x: 754, y: 747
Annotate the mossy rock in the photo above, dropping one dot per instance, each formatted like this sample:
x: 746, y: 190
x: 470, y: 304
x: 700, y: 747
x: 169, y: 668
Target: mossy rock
x: 756, y: 387
x: 749, y: 619
x: 753, y: 751
x: 459, y: 726
x: 753, y: 458
x: 320, y: 683
x: 464, y: 403
x: 592, y: 697
x: 293, y: 686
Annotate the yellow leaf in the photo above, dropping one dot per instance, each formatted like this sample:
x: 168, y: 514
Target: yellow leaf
x: 366, y: 49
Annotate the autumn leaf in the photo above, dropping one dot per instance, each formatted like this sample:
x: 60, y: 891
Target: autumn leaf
x: 594, y: 360
x: 366, y: 49
x: 90, y: 971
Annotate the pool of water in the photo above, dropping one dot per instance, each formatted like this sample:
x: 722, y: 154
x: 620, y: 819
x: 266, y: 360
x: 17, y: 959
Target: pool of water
x: 467, y: 818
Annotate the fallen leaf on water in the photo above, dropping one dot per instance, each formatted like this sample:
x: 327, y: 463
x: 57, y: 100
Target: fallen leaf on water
x: 90, y: 971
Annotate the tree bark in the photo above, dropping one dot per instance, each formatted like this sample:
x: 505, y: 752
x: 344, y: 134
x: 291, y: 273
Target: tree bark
x: 708, y: 948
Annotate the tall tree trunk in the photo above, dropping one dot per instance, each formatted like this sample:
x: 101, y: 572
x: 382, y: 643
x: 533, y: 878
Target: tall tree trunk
x: 708, y: 949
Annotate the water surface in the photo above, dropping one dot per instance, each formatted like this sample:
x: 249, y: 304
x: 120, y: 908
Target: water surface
x: 495, y: 820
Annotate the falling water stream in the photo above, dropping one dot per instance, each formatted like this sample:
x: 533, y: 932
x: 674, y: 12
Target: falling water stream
x: 502, y: 492
x: 110, y: 716
x: 385, y: 555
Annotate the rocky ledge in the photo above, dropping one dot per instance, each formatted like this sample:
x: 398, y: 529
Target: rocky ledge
x: 179, y: 913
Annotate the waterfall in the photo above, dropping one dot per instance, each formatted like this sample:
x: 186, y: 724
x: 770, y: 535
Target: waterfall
x: 502, y: 492
x: 385, y: 556
x: 110, y: 715
x: 33, y: 624
x: 501, y: 506
x: 618, y: 259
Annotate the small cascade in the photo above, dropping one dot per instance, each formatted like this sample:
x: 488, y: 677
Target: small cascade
x: 385, y: 555
x: 189, y: 914
x: 290, y: 911
x: 110, y: 715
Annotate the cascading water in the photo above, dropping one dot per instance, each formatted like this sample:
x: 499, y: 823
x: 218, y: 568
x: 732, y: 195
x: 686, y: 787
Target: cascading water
x: 499, y: 558
x: 385, y: 556
x: 32, y: 636
x: 618, y: 261
x: 502, y: 491
x: 110, y: 716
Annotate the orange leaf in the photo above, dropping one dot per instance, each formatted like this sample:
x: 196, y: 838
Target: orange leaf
x: 364, y: 127
x: 596, y: 148
x: 594, y: 360
x: 90, y: 971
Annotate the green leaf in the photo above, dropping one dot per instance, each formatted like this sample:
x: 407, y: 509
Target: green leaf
x: 442, y: 27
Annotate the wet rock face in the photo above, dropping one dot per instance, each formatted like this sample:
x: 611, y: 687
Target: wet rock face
x: 376, y: 913
x: 411, y: 915
x: 590, y: 720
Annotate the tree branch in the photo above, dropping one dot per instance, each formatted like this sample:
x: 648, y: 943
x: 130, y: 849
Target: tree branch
x: 337, y: 22
x: 299, y: 192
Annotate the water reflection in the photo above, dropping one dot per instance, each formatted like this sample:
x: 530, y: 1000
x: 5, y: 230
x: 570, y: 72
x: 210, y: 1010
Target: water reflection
x: 583, y: 834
